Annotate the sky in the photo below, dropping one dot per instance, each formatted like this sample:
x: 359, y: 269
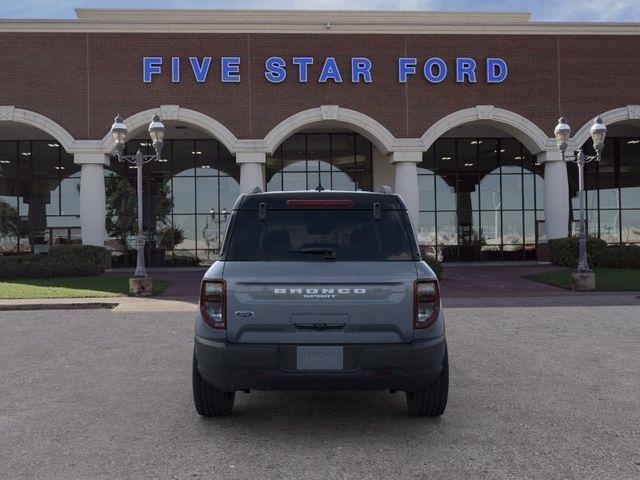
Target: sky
x: 542, y: 10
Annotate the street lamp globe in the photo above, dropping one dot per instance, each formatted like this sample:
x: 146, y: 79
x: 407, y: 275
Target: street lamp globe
x: 598, y: 132
x: 119, y: 133
x: 562, y: 133
x: 156, y: 132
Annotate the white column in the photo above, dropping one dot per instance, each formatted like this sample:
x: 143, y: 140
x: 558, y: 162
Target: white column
x: 556, y: 194
x: 251, y: 170
x: 92, y: 197
x: 406, y: 181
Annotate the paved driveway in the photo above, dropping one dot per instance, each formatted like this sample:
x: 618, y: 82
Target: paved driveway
x: 541, y: 392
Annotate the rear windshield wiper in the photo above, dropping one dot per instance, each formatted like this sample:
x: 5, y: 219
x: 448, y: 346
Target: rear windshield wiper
x: 329, y: 253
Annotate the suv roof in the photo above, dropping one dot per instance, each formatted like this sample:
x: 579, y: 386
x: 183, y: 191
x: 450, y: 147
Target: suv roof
x: 361, y: 200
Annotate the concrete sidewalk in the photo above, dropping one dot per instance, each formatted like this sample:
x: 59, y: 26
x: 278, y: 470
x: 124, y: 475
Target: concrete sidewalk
x: 117, y: 304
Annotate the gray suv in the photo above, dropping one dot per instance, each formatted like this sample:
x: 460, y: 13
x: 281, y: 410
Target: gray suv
x: 315, y: 291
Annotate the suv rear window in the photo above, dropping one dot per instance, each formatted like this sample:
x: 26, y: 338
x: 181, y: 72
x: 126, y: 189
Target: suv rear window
x: 312, y: 234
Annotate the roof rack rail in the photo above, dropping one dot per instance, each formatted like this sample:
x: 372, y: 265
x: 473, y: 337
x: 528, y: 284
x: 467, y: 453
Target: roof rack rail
x: 256, y: 189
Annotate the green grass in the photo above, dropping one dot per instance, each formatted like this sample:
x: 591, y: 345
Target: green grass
x: 71, y: 287
x: 607, y: 279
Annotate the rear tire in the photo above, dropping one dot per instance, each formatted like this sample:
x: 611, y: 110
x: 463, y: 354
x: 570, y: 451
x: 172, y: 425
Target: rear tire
x: 431, y: 402
x: 208, y: 400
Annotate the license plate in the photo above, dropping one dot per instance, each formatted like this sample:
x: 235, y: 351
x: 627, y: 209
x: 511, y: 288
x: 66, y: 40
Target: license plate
x: 319, y: 358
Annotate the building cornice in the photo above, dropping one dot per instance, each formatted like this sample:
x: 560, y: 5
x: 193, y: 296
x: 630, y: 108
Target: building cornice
x: 293, y: 16
x: 317, y: 22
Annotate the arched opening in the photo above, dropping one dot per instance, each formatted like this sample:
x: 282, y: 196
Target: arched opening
x: 612, y: 187
x: 39, y: 190
x: 481, y: 196
x: 188, y: 197
x: 330, y: 158
x: 328, y: 147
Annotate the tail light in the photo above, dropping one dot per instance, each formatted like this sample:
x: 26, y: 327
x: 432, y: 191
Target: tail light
x: 310, y: 203
x: 213, y: 295
x: 426, y: 303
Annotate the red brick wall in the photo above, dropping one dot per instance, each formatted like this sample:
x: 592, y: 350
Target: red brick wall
x: 82, y: 80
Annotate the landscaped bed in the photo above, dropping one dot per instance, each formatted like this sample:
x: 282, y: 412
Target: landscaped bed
x: 71, y: 287
x: 607, y: 279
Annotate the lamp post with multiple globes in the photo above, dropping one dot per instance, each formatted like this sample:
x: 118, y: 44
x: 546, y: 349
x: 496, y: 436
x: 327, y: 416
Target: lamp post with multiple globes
x: 156, y: 132
x: 583, y: 278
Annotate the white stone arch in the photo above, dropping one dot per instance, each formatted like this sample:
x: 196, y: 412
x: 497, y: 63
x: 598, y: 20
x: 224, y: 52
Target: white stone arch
x: 621, y: 114
x: 177, y: 113
x: 527, y: 132
x: 363, y: 124
x: 10, y: 113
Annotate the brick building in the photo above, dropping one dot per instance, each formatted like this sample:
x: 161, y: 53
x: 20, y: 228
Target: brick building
x: 454, y: 111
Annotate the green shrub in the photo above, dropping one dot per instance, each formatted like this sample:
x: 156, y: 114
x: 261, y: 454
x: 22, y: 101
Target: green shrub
x: 564, y: 251
x: 618, y: 256
x: 61, y: 261
x: 168, y: 237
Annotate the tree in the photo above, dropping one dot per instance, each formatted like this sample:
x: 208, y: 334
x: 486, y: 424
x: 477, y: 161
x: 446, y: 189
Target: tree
x: 9, y: 221
x: 122, y: 208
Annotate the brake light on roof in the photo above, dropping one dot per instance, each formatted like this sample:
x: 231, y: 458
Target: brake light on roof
x: 311, y: 203
x: 426, y: 303
x: 212, y: 303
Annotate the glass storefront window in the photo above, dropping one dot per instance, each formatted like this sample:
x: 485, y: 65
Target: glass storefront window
x: 630, y: 223
x: 427, y: 229
x: 487, y: 158
x: 512, y: 231
x: 184, y: 200
x: 426, y: 191
x: 610, y: 226
x: 336, y: 161
x: 530, y: 228
x: 511, y: 156
x: 612, y: 191
x: 192, y: 189
x: 70, y: 195
x: 512, y: 192
x: 320, y: 150
x: 630, y: 190
x: 484, y: 202
x: 490, y: 192
x: 39, y: 196
x: 445, y: 194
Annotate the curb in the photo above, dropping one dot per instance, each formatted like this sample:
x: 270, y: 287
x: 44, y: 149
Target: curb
x: 59, y: 306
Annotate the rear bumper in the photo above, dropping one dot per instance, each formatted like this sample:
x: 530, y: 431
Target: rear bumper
x: 232, y: 367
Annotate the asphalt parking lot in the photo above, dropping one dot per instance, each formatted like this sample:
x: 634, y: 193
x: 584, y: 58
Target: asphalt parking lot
x: 536, y: 392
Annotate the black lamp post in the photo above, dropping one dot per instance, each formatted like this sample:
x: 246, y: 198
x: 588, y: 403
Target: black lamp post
x: 598, y: 132
x: 156, y: 132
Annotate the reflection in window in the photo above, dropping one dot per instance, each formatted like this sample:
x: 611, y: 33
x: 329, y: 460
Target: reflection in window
x: 333, y: 161
x: 612, y: 190
x: 39, y: 196
x: 479, y: 199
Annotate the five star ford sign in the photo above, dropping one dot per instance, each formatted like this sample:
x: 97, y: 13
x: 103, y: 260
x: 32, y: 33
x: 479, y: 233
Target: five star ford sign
x: 361, y: 69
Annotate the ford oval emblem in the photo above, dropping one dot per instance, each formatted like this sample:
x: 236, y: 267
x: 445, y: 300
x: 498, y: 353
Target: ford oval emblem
x: 244, y: 314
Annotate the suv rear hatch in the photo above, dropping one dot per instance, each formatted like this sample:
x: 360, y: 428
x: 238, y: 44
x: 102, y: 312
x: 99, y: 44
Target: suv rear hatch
x: 320, y: 270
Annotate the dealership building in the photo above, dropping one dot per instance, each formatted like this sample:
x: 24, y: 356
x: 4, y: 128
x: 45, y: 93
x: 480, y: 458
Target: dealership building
x: 454, y: 111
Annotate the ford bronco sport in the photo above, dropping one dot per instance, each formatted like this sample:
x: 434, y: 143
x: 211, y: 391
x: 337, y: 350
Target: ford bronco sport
x: 320, y: 290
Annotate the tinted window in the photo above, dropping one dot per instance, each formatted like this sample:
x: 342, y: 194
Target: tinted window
x: 308, y: 235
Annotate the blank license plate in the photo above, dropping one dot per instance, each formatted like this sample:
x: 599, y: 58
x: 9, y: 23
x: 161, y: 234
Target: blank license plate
x: 319, y: 358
